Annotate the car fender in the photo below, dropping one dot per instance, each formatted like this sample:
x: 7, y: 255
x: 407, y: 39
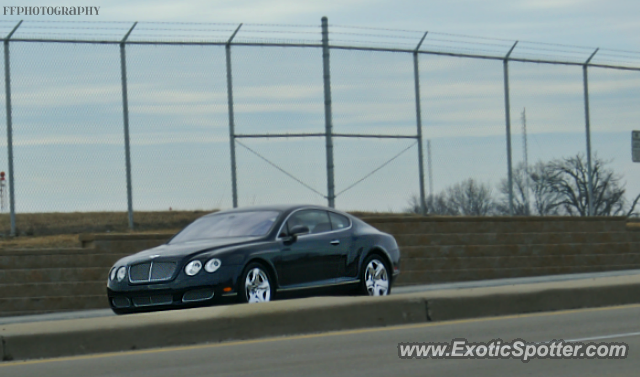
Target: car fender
x: 266, y: 262
x: 376, y: 248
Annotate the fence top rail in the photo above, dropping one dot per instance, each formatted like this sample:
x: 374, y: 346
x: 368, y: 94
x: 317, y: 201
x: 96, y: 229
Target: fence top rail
x: 287, y: 135
x: 341, y: 37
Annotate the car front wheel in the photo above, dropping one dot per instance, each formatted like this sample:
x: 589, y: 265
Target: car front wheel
x: 256, y: 284
x: 374, y: 278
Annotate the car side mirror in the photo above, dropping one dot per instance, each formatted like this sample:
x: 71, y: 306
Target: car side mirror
x: 296, y: 231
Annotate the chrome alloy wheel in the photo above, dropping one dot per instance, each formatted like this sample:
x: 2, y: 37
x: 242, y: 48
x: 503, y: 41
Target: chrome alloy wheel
x: 376, y: 278
x: 257, y: 286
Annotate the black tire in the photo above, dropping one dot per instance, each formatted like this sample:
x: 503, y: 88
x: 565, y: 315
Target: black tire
x: 260, y: 274
x: 377, y: 262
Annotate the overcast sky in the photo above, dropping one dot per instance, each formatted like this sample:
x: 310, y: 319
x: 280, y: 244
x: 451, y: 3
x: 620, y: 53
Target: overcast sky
x: 68, y: 119
x: 595, y: 23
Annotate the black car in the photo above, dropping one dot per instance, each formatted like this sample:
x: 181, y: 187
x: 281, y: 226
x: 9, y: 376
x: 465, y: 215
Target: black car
x: 253, y: 255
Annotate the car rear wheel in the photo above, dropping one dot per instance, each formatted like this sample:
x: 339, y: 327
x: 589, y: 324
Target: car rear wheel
x: 374, y: 278
x: 256, y: 284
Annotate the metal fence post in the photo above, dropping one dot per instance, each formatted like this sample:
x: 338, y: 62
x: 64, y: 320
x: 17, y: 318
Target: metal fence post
x: 232, y: 132
x: 328, y: 122
x: 125, y: 111
x: 429, y: 167
x: 416, y: 79
x: 7, y: 88
x: 507, y: 112
x: 588, y: 132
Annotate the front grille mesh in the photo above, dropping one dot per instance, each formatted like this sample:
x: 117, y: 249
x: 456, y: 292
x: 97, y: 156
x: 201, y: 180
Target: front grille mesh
x: 198, y: 295
x: 139, y: 272
x: 162, y: 270
x: 152, y: 300
x: 121, y: 302
x: 151, y: 272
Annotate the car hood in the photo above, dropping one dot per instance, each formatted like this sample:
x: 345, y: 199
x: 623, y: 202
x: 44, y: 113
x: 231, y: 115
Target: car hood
x: 185, y: 249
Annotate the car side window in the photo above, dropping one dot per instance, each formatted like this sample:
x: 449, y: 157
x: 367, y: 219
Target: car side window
x: 316, y: 220
x: 338, y: 221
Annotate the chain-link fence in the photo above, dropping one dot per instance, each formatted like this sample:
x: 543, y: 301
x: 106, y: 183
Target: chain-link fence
x: 112, y: 116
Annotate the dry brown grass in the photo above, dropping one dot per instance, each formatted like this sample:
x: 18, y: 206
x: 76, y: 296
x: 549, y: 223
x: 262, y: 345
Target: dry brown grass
x: 30, y: 242
x: 47, y: 230
x: 41, y: 224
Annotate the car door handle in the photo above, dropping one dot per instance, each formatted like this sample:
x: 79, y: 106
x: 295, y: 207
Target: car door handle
x: 335, y: 242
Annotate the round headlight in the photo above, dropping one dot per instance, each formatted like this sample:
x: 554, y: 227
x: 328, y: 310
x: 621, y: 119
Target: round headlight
x: 193, y: 267
x: 122, y: 273
x: 212, y: 265
x: 112, y: 274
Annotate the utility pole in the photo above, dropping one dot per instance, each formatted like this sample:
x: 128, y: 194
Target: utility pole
x: 7, y: 97
x: 232, y: 132
x: 416, y: 78
x: 125, y: 112
x: 507, y: 115
x: 328, y: 117
x: 525, y: 159
x: 429, y: 167
x: 588, y: 132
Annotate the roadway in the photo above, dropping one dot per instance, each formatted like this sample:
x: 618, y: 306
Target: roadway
x: 370, y: 352
x: 396, y: 290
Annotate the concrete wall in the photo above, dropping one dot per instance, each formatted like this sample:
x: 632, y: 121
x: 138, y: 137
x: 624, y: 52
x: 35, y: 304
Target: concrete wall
x: 433, y: 250
x: 452, y: 249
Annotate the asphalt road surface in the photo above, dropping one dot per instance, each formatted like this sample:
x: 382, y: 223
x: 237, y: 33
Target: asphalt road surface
x: 371, y: 352
x: 396, y: 290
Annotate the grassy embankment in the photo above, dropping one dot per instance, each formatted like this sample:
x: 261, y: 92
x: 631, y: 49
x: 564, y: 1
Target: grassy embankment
x: 62, y: 229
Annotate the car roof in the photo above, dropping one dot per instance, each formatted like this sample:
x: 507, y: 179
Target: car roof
x: 275, y: 207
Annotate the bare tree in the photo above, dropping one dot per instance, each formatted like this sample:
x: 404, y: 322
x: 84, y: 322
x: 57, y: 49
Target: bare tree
x: 471, y: 198
x: 569, y: 179
x: 439, y: 204
x: 557, y: 187
x: 414, y: 205
x: 468, y: 198
x: 434, y: 205
x: 546, y: 201
x: 521, y: 193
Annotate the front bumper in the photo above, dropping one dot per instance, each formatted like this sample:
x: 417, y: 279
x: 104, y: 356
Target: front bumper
x: 183, y: 291
x: 143, y: 300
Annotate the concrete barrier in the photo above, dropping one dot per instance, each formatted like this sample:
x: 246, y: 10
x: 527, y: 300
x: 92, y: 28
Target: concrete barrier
x: 214, y: 324
x: 531, y: 298
x: 313, y: 315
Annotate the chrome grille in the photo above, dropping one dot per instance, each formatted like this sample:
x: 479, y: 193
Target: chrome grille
x: 152, y: 300
x: 198, y: 295
x: 162, y: 270
x: 151, y: 272
x: 139, y: 272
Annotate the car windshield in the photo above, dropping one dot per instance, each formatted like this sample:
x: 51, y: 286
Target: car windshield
x: 237, y: 224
